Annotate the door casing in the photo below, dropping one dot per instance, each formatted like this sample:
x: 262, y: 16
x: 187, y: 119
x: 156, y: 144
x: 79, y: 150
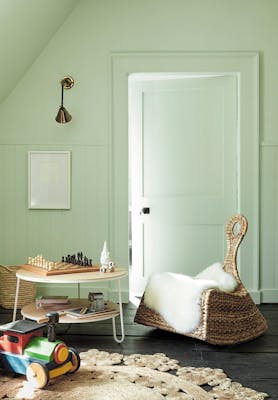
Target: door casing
x: 246, y: 65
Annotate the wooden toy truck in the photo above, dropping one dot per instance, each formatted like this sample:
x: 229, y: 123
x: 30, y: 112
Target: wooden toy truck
x: 24, y: 350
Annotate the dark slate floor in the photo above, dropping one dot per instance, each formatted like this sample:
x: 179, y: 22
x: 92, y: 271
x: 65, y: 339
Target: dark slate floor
x: 253, y: 364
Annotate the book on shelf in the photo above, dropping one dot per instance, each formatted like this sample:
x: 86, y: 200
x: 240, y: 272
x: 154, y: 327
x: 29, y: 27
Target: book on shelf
x: 44, y: 300
x: 84, y: 312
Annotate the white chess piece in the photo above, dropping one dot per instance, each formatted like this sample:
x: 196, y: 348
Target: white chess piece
x: 111, y: 266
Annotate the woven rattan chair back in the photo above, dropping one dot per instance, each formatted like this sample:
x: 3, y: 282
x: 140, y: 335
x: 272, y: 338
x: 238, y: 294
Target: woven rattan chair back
x: 227, y: 318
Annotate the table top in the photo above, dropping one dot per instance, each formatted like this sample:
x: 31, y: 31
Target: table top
x: 82, y: 277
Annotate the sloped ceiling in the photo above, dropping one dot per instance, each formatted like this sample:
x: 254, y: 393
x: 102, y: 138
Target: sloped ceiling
x: 26, y: 26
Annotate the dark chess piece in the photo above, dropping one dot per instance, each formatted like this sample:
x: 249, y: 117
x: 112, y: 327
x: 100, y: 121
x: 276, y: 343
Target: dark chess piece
x: 90, y: 262
x: 53, y: 319
x: 63, y: 259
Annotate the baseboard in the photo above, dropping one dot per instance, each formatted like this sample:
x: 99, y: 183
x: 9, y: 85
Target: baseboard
x: 269, y: 295
x: 264, y: 296
x: 113, y: 296
x: 256, y: 296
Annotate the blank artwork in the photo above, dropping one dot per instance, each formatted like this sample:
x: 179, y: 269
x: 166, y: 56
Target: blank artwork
x: 49, y: 179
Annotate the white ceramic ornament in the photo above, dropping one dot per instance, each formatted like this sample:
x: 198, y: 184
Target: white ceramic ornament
x: 104, y: 258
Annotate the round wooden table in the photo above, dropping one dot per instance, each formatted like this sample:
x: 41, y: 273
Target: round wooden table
x: 113, y: 310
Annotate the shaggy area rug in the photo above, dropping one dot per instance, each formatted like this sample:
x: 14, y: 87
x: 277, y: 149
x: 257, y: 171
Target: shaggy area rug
x: 112, y: 376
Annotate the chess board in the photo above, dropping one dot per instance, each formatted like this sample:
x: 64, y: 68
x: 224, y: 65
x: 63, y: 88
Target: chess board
x: 60, y: 269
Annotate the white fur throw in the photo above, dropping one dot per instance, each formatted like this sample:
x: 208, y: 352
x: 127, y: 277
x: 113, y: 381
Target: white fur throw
x: 177, y: 297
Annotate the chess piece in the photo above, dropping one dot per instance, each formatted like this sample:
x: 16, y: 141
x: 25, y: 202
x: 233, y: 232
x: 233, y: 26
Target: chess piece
x: 111, y: 266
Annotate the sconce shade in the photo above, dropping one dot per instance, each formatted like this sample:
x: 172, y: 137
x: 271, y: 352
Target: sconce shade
x: 63, y: 116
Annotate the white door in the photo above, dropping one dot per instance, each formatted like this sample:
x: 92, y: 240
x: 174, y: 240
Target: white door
x: 183, y: 171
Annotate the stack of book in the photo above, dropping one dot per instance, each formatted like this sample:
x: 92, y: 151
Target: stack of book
x: 85, y: 312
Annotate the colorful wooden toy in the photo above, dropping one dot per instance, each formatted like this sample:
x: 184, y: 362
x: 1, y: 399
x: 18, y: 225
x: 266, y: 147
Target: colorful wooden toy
x: 24, y: 350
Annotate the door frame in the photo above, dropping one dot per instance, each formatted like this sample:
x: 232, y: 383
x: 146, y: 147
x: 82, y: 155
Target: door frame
x: 138, y: 86
x: 246, y: 66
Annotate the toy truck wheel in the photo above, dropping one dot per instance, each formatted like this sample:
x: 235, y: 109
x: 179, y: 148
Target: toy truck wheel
x: 37, y: 375
x: 75, y: 359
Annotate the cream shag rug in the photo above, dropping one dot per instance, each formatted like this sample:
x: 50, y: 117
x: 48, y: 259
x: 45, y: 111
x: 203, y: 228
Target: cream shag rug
x: 109, y: 376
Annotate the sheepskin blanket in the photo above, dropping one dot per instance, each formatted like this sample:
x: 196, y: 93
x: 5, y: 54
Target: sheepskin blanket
x: 177, y: 297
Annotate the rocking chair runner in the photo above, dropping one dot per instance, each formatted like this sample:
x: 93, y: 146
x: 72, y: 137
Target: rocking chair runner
x: 226, y: 318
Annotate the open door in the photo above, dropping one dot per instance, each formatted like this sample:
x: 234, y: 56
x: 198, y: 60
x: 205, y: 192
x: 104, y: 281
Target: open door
x: 184, y: 175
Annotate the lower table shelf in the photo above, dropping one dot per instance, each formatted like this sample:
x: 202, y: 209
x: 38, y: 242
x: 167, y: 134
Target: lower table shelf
x: 31, y: 311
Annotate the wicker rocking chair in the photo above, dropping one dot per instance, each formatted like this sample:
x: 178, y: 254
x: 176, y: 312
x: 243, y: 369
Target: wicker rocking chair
x: 226, y: 318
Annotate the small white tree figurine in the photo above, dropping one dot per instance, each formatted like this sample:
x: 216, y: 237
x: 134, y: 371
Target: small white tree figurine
x: 104, y: 258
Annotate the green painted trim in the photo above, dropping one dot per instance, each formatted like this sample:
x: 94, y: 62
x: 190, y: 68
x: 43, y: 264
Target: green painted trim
x: 269, y: 295
x: 269, y: 144
x: 264, y: 296
x: 113, y: 296
x: 256, y: 296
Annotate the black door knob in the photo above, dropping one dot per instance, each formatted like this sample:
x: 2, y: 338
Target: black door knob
x: 145, y: 210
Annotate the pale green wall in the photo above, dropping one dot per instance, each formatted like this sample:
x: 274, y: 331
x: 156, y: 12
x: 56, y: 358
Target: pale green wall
x: 82, y: 48
x: 26, y: 26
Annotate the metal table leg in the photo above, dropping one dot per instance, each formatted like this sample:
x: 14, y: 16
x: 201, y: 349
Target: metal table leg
x: 119, y: 340
x: 78, y: 290
x: 16, y: 298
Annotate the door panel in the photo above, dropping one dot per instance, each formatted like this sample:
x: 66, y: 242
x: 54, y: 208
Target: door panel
x: 184, y: 168
x: 192, y: 247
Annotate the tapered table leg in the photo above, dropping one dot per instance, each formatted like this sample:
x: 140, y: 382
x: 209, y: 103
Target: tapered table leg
x: 119, y: 340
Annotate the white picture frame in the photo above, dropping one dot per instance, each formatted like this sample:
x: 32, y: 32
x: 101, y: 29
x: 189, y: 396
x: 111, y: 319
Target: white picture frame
x: 49, y: 180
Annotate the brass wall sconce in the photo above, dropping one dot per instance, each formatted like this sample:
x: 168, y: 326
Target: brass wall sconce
x: 63, y: 115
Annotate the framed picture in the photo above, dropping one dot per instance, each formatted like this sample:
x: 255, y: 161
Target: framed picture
x: 49, y: 179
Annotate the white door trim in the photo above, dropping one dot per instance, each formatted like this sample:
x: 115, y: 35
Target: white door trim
x: 246, y: 65
x: 139, y: 87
